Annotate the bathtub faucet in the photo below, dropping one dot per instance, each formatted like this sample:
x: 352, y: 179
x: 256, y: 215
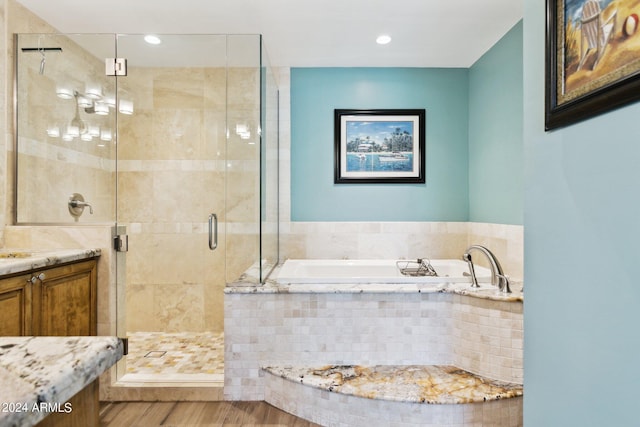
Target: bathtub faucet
x: 497, y: 275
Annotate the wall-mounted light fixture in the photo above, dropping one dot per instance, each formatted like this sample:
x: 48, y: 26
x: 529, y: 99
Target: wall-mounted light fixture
x: 93, y: 101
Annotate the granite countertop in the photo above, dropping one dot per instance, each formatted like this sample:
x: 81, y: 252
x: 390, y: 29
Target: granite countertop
x: 14, y: 261
x: 430, y: 384
x: 39, y: 374
x: 271, y: 286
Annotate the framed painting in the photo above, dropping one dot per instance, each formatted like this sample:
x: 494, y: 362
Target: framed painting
x: 379, y: 146
x: 592, y: 58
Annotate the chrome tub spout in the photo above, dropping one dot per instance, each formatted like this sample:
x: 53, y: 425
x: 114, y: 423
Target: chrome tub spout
x: 498, y: 277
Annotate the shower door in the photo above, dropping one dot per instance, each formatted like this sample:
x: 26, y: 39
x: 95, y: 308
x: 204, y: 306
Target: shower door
x: 171, y: 178
x: 187, y: 183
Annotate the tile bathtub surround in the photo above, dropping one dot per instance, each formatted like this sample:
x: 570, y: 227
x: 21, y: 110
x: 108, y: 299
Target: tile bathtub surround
x: 402, y: 240
x: 313, y: 329
x: 50, y: 370
x: 488, y: 337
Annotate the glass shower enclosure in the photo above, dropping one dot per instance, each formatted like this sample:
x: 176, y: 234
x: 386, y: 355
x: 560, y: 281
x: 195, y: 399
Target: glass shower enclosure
x: 174, y: 144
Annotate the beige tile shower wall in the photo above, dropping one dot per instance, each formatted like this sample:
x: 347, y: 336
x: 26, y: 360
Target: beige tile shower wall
x: 270, y: 185
x: 14, y: 18
x: 243, y: 171
x: 50, y: 169
x: 4, y: 133
x: 171, y: 156
x: 174, y: 156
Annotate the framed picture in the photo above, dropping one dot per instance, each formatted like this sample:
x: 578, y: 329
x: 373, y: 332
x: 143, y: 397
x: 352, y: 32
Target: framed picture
x: 592, y: 58
x: 379, y: 146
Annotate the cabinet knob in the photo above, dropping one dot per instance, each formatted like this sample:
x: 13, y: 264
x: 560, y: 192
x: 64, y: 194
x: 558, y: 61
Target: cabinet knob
x: 37, y: 277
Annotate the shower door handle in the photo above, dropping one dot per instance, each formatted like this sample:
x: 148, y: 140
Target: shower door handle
x: 213, y: 231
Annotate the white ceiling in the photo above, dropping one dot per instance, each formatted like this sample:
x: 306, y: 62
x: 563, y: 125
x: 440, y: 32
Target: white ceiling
x: 309, y: 33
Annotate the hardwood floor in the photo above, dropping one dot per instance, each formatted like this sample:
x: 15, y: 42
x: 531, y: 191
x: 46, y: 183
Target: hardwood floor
x: 210, y: 414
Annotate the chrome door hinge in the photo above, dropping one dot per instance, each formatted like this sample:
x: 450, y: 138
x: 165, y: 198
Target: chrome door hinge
x: 115, y: 66
x: 121, y: 243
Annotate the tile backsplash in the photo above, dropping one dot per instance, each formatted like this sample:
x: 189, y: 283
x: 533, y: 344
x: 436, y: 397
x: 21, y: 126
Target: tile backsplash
x: 402, y: 240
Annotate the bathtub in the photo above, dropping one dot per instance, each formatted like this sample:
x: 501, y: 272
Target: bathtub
x: 373, y: 271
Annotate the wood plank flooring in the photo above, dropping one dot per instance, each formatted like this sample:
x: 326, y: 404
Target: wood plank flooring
x: 210, y: 414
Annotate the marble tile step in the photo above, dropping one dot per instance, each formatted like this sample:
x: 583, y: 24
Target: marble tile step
x: 431, y: 384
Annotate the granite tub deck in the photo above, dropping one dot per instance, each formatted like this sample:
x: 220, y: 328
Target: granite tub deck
x: 38, y: 375
x: 354, y: 395
x: 435, y: 384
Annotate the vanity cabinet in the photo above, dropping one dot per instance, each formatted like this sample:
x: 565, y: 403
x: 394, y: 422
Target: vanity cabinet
x: 64, y: 300
x: 54, y: 301
x: 15, y: 304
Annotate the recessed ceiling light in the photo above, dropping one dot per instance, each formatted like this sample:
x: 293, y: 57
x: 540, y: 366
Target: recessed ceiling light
x: 383, y: 39
x: 151, y: 39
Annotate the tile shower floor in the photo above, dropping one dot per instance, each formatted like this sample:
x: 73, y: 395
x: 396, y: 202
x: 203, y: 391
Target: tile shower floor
x: 186, y: 357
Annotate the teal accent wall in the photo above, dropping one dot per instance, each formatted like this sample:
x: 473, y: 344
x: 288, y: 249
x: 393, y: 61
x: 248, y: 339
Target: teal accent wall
x: 495, y: 133
x: 474, y: 143
x: 582, y: 240
x: 316, y: 92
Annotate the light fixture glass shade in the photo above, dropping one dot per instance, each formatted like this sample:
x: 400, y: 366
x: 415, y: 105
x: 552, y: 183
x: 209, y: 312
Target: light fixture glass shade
x: 242, y: 130
x: 64, y: 92
x: 84, y: 102
x: 86, y: 137
x: 53, y: 131
x: 110, y: 100
x: 93, y: 91
x: 67, y: 137
x: 94, y: 131
x: 74, y: 131
x: 105, y: 135
x: 101, y: 109
x: 126, y: 107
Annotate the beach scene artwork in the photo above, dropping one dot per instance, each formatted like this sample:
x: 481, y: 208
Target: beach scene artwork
x: 601, y: 44
x: 380, y: 146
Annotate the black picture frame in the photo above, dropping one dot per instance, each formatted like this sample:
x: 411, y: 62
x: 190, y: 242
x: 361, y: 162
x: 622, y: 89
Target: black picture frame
x: 599, y: 79
x: 381, y: 146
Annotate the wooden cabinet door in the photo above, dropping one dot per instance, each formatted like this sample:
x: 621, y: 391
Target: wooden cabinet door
x: 15, y: 306
x: 65, y: 301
